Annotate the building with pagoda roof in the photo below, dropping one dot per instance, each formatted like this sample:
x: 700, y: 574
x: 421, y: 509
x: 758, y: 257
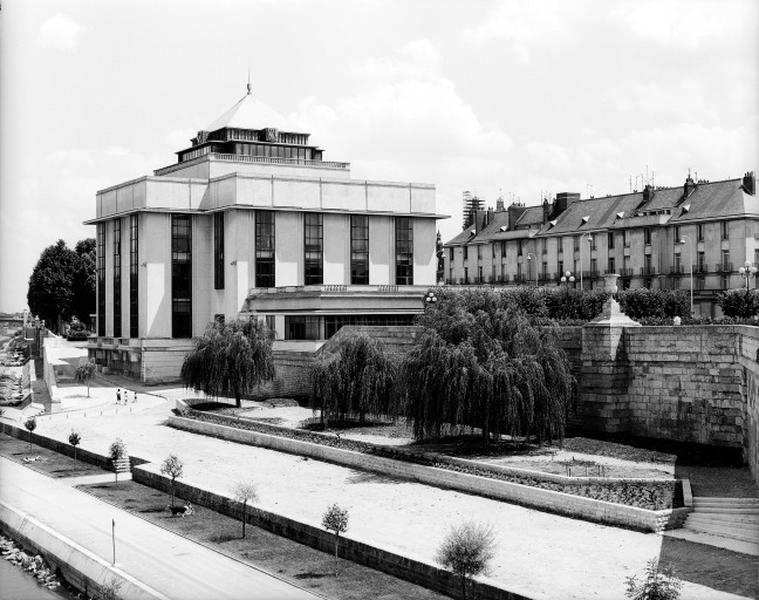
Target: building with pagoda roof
x: 252, y: 221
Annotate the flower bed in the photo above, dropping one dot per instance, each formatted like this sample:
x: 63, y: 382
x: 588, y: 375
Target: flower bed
x: 651, y: 494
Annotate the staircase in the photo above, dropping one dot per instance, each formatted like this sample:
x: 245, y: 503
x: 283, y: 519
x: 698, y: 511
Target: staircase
x: 731, y: 518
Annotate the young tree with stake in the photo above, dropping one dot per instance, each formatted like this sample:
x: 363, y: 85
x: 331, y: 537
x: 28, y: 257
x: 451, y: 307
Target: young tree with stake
x: 116, y: 452
x: 245, y: 492
x: 31, y: 425
x: 84, y: 373
x: 74, y: 439
x: 172, y: 467
x: 335, y: 519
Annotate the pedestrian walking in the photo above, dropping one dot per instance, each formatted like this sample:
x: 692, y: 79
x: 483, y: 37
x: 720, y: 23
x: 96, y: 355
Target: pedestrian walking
x: 118, y: 396
x: 135, y: 396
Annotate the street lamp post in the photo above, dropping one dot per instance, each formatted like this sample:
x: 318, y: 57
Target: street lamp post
x: 567, y: 278
x: 530, y: 256
x: 430, y: 298
x: 747, y: 271
x: 590, y: 239
x: 690, y: 266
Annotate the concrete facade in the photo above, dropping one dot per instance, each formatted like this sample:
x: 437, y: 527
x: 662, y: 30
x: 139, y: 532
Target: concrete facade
x: 286, y: 182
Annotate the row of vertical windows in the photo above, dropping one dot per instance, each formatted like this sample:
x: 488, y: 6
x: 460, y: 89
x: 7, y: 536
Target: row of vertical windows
x: 313, y: 248
x: 117, y: 278
x: 100, y: 258
x: 309, y: 327
x: 265, y: 248
x: 181, y: 276
x: 404, y: 251
x: 359, y: 249
x: 133, y: 278
x: 218, y: 251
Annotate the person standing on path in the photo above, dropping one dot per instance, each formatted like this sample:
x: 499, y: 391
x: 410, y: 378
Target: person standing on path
x: 118, y: 396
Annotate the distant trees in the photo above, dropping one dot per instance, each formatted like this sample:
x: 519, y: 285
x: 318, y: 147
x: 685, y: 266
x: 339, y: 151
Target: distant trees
x: 84, y: 372
x: 245, y: 492
x: 62, y: 283
x: 335, y: 519
x: 354, y: 381
x: 481, y: 363
x: 172, y: 467
x: 466, y: 550
x: 230, y: 359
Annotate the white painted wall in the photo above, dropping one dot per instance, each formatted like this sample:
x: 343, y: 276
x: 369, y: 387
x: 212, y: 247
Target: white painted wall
x: 381, y: 250
x: 336, y: 249
x: 155, y: 251
x: 288, y: 232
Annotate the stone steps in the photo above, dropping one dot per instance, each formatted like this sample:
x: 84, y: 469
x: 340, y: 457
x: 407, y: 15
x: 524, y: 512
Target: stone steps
x: 730, y: 518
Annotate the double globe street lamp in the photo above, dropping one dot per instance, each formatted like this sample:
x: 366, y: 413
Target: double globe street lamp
x: 747, y: 271
x: 567, y: 278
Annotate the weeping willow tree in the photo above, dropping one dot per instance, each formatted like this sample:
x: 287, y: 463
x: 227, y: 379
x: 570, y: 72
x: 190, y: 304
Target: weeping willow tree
x: 231, y: 359
x: 481, y: 364
x: 354, y: 381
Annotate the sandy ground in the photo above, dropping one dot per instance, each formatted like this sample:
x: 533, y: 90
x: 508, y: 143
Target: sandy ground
x: 539, y: 554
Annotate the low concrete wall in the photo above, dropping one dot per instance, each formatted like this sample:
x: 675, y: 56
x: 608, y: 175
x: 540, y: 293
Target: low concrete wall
x: 411, y: 569
x: 79, y: 567
x: 534, y: 497
x: 93, y: 458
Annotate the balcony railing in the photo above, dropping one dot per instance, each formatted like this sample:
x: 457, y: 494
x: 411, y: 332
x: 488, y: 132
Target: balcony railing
x: 626, y: 272
x: 701, y: 269
x: 647, y: 271
x: 724, y: 267
x: 676, y: 270
x: 591, y: 274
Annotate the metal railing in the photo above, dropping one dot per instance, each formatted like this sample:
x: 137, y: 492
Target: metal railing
x: 724, y: 267
x: 273, y: 160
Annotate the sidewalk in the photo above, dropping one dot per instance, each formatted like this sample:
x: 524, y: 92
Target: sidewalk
x: 161, y: 560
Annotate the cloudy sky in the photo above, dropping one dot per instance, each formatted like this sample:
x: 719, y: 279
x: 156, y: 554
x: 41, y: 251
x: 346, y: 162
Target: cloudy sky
x: 510, y: 97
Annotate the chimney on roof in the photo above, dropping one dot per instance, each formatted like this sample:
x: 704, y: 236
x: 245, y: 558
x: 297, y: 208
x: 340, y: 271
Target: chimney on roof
x: 546, y: 210
x: 648, y: 193
x: 689, y: 186
x: 515, y: 210
x: 749, y: 183
x: 563, y: 200
x: 499, y: 205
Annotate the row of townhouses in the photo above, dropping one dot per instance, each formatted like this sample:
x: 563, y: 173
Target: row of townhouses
x: 703, y: 234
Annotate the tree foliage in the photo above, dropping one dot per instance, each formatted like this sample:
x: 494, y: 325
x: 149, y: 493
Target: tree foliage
x: 116, y: 451
x: 173, y: 467
x: 245, y: 492
x: 84, y: 372
x: 356, y: 380
x: 481, y: 363
x: 739, y: 303
x: 655, y: 585
x: 62, y: 283
x: 466, y: 550
x: 335, y: 519
x: 74, y: 439
x: 643, y: 303
x: 231, y: 359
x: 31, y: 425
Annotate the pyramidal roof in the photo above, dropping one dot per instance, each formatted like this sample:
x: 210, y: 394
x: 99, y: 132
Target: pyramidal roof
x: 250, y: 113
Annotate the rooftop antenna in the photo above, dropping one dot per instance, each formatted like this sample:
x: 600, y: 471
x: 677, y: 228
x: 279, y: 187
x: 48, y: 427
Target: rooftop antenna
x: 631, y: 183
x: 249, y: 86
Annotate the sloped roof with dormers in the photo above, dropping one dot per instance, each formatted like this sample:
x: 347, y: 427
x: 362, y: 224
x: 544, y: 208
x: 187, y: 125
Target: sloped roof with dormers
x: 706, y: 201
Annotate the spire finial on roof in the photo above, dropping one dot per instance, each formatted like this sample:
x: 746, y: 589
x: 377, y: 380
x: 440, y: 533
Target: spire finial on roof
x: 249, y: 86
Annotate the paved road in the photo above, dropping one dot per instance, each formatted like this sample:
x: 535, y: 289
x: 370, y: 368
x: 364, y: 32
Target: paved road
x: 162, y: 560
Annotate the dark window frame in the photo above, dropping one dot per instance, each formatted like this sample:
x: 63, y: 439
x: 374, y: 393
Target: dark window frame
x: 265, y: 248
x: 359, y: 225
x: 100, y: 260
x: 404, y: 251
x: 313, y: 248
x: 181, y: 276
x: 116, y: 278
x: 218, y: 251
x: 134, y: 273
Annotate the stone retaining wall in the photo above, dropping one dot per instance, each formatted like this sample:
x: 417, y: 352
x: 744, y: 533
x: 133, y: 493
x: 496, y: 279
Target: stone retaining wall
x: 548, y: 500
x: 411, y: 569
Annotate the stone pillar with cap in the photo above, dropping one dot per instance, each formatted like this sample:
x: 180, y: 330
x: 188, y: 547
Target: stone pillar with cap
x: 605, y: 372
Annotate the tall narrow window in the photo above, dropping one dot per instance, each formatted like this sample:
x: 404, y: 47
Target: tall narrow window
x: 313, y: 234
x: 647, y: 236
x: 725, y: 229
x: 265, y: 248
x: 134, y: 315
x: 181, y: 276
x: 359, y: 249
x: 700, y: 232
x: 218, y: 251
x: 610, y: 240
x: 100, y: 257
x: 404, y: 251
x: 117, y: 278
